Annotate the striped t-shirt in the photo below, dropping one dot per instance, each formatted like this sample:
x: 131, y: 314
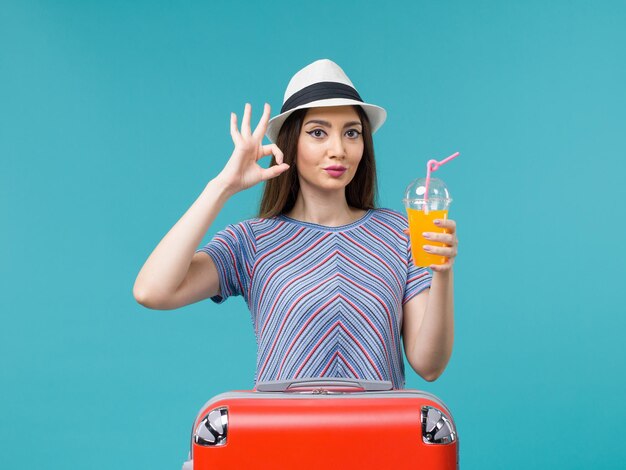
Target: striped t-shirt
x: 324, y: 301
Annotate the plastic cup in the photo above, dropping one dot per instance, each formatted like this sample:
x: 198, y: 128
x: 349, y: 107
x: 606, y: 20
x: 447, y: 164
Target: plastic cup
x: 422, y: 210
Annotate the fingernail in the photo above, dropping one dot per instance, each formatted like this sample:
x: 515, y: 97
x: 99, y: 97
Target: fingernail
x: 437, y: 222
x: 425, y: 235
x: 426, y: 248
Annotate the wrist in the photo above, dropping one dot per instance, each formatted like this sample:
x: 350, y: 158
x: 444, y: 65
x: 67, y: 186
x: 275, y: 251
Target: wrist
x: 443, y: 275
x: 221, y: 186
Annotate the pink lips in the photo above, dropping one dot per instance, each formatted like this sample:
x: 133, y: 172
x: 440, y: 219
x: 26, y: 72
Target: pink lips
x: 335, y: 170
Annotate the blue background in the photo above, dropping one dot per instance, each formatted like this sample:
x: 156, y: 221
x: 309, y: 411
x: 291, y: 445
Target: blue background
x: 114, y: 115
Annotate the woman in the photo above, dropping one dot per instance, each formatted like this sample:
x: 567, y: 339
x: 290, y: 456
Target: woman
x: 329, y: 279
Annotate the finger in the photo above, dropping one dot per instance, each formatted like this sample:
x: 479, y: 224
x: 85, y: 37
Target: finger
x: 440, y: 268
x: 448, y: 224
x: 448, y: 252
x: 234, y: 132
x: 272, y: 149
x: 446, y: 238
x: 245, y: 121
x: 273, y: 171
x: 406, y: 231
x: 259, y: 132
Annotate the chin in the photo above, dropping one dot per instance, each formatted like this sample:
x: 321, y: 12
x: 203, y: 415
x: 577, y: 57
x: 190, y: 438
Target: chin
x: 327, y: 183
x: 335, y: 183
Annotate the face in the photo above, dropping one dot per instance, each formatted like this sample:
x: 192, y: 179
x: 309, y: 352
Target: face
x: 330, y: 147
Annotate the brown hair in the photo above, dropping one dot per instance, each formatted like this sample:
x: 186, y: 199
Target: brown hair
x: 280, y: 193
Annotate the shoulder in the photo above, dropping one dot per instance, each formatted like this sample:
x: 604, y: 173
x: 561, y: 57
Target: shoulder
x: 256, y: 228
x: 389, y: 225
x: 390, y: 217
x: 246, y: 236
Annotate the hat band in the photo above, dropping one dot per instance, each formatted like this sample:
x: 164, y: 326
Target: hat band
x: 320, y: 91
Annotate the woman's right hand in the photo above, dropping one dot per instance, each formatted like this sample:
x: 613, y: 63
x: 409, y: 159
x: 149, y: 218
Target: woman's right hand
x: 242, y: 170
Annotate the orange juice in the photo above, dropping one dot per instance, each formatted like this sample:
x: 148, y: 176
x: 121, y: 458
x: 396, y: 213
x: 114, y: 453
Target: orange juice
x: 419, y: 222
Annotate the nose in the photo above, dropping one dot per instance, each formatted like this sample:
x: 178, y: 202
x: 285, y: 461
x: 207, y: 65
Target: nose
x: 336, y: 148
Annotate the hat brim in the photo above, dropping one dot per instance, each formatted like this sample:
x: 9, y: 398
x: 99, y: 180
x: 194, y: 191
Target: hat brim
x: 375, y: 114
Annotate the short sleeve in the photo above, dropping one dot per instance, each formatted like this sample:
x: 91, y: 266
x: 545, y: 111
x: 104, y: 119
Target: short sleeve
x: 232, y: 251
x: 417, y: 278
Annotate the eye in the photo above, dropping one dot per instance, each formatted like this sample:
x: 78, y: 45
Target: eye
x: 317, y: 133
x: 354, y: 133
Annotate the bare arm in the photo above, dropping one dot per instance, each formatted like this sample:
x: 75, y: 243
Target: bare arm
x: 174, y: 275
x: 428, y: 327
x: 165, y: 270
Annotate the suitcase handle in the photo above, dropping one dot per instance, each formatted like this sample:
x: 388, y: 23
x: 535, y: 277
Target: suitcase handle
x: 323, y: 385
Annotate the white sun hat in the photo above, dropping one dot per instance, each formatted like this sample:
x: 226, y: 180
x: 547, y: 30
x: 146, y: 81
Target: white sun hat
x: 322, y: 83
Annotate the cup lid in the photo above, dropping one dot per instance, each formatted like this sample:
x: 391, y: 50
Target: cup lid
x: 437, y: 190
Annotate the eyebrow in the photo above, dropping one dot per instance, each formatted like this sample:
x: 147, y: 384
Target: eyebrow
x: 328, y: 124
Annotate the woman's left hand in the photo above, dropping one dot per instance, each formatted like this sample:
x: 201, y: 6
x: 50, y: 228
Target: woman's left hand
x: 449, y: 239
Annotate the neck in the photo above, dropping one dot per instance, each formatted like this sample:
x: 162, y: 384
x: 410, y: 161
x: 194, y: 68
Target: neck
x: 329, y: 208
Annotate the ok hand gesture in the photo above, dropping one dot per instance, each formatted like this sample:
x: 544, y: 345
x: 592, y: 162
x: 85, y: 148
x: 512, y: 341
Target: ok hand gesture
x: 242, y: 170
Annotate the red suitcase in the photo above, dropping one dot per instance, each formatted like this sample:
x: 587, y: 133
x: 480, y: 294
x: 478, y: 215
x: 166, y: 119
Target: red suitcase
x: 323, y: 423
